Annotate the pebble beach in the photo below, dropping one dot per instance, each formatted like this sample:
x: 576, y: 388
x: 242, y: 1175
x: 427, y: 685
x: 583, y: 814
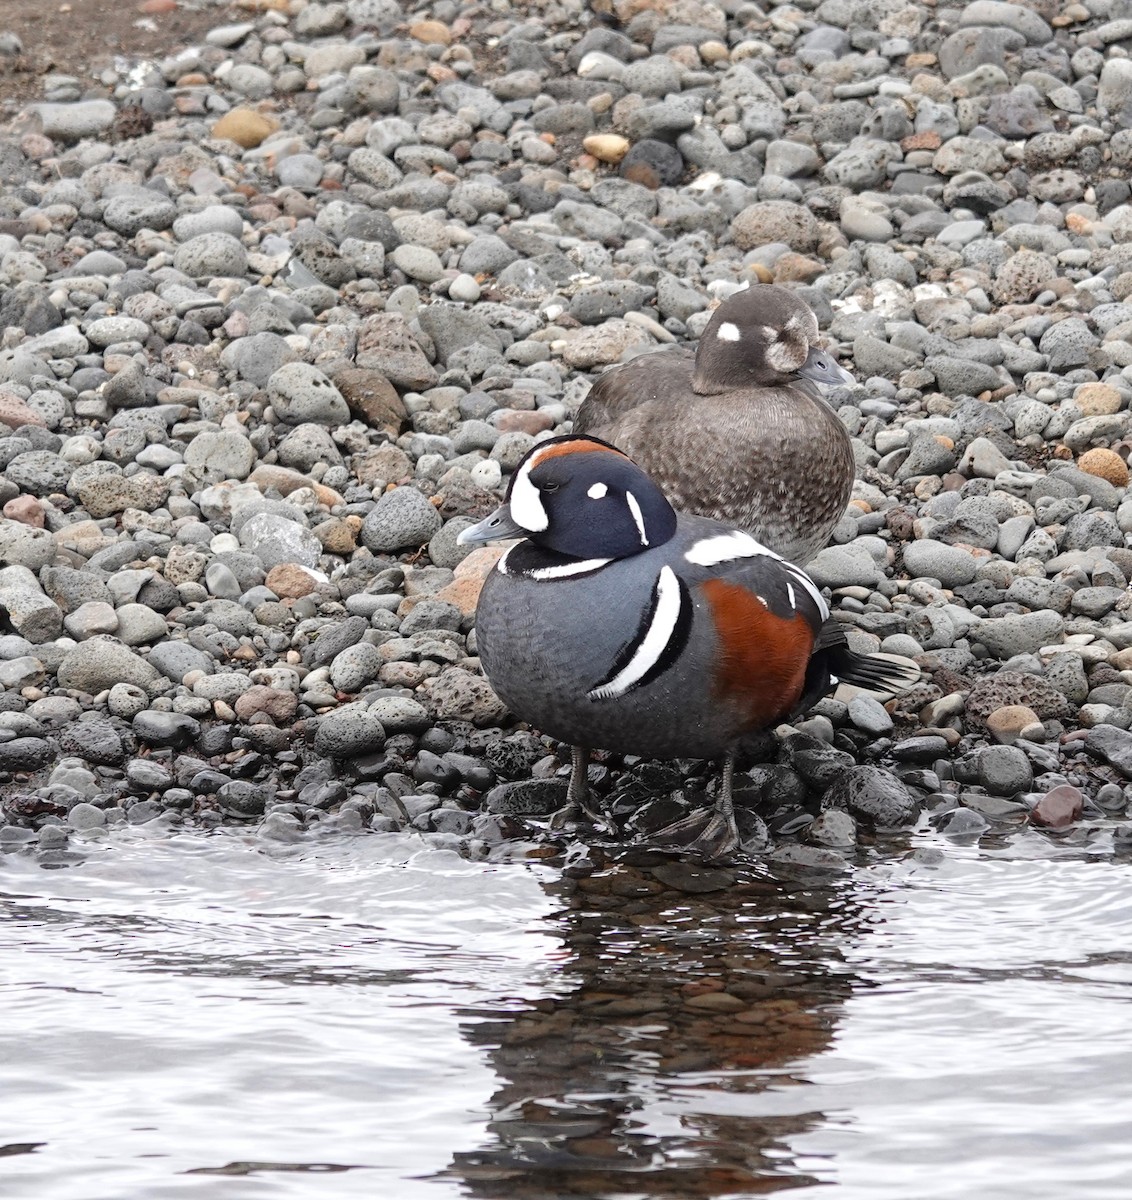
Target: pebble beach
x: 281, y: 311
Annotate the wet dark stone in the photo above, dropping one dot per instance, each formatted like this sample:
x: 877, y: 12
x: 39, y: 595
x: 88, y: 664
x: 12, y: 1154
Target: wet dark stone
x: 143, y: 811
x: 963, y: 822
x: 873, y: 796
x: 771, y: 783
x: 693, y: 879
x: 817, y: 763
x: 166, y: 728
x: 437, y: 740
x: 925, y: 749
x: 1004, y: 770
x: 528, y: 797
x: 323, y: 795
x: 240, y: 798
x: 654, y: 815
x: 513, y: 757
x: 207, y: 782
x: 431, y: 768
x: 833, y: 827
x: 451, y: 820
x: 95, y: 741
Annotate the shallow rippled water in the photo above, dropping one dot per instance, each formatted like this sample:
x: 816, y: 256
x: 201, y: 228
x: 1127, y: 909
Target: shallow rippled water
x: 191, y: 1016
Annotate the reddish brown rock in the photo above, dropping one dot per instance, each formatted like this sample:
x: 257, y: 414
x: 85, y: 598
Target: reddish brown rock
x: 373, y: 398
x: 289, y: 581
x: 14, y: 412
x: 278, y: 704
x: 464, y: 590
x: 516, y: 420
x: 26, y: 510
x: 1058, y: 808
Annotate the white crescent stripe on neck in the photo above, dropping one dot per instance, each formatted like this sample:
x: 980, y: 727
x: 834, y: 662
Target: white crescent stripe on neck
x: 651, y: 647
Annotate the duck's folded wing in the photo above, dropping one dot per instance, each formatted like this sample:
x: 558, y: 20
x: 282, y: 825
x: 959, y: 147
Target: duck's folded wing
x: 656, y: 376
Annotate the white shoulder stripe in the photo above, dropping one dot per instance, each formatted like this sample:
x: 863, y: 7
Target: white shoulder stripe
x: 653, y: 644
x: 725, y: 547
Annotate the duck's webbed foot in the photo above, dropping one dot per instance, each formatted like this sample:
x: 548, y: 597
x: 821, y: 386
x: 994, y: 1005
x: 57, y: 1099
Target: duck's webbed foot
x: 580, y: 805
x: 710, y: 833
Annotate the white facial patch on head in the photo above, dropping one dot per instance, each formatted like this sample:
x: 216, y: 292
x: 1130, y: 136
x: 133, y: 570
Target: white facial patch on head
x: 800, y: 322
x: 597, y: 491
x: 785, y: 356
x: 525, y: 503
x: 638, y: 517
x: 728, y: 332
x: 725, y: 547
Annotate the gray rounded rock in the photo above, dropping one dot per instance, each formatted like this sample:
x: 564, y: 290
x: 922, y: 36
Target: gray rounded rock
x: 135, y: 211
x: 301, y: 393
x: 212, y: 255
x: 100, y: 663
x: 355, y: 666
x: 216, y: 218
x: 400, y: 519
x: 929, y: 559
x: 222, y: 453
x: 348, y: 731
x: 399, y: 714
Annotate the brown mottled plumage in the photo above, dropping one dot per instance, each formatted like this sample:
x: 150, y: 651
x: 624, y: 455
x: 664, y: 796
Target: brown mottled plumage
x: 736, y: 431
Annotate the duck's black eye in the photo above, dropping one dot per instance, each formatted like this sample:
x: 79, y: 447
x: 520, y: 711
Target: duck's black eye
x: 551, y: 487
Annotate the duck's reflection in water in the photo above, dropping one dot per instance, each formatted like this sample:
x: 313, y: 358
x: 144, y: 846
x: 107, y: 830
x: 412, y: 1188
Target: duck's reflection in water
x: 694, y: 990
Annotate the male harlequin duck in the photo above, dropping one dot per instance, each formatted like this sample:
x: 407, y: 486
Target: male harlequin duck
x: 617, y: 624
x: 737, y: 431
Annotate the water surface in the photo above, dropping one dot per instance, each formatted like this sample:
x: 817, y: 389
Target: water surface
x: 218, y: 1016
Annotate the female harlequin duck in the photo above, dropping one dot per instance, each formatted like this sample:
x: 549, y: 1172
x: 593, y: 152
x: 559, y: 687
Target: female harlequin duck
x: 738, y: 432
x: 618, y: 624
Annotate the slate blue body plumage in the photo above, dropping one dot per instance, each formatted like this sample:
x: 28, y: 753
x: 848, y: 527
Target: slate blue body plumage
x: 618, y: 624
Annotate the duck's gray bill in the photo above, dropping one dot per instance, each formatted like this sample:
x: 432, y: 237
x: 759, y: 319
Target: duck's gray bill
x: 497, y: 527
x: 821, y: 367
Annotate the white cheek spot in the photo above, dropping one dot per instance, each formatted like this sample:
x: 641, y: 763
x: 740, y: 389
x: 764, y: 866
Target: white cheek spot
x: 526, y: 503
x: 728, y: 332
x: 597, y: 491
x: 638, y: 517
